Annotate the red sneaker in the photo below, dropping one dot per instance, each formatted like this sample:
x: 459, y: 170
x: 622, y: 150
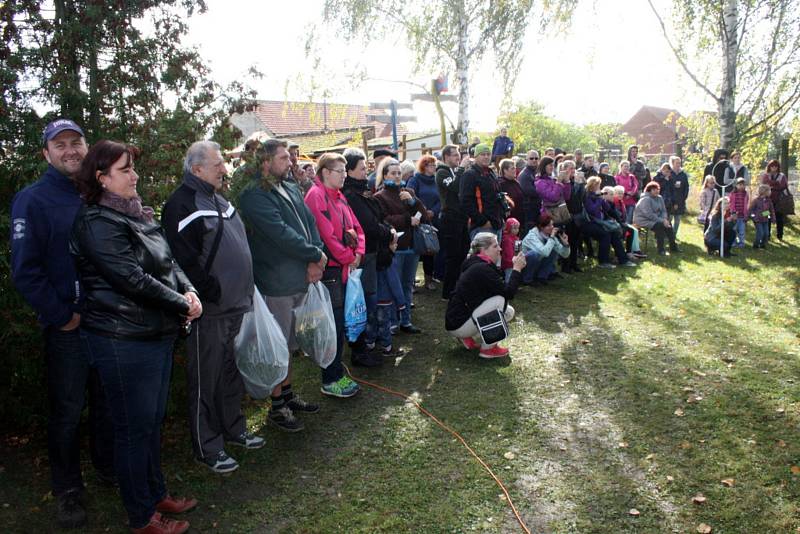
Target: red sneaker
x: 162, y: 525
x: 171, y: 505
x: 493, y: 352
x: 468, y: 342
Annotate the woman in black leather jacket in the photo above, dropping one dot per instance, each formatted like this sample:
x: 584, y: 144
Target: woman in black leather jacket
x: 136, y: 301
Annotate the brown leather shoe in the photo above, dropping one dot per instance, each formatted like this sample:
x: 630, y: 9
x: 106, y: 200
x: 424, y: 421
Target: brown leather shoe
x: 172, y: 505
x: 162, y: 525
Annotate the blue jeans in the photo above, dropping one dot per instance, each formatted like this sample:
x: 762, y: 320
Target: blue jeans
x: 629, y: 214
x: 135, y: 376
x: 762, y: 233
x: 538, y: 267
x: 68, y: 375
x: 405, y: 263
x: 741, y: 225
x: 675, y: 220
x: 390, y: 297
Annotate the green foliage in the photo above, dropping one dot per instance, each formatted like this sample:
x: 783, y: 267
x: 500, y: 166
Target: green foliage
x: 531, y: 129
x: 94, y: 64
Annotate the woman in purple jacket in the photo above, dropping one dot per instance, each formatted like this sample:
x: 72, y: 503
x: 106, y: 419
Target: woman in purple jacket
x: 601, y: 225
x: 553, y: 193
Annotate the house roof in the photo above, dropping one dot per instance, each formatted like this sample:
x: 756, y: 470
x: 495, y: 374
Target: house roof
x: 660, y: 115
x: 290, y: 118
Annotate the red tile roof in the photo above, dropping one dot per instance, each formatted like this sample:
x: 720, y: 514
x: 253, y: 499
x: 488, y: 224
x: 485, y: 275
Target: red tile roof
x: 285, y: 118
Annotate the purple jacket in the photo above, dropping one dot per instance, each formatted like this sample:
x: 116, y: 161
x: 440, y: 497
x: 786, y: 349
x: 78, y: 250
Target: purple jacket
x: 593, y: 204
x: 760, y: 206
x: 552, y: 192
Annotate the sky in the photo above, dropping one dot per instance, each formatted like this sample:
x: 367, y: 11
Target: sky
x: 611, y: 60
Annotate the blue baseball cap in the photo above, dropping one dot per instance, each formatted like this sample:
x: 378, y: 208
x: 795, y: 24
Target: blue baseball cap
x: 58, y: 126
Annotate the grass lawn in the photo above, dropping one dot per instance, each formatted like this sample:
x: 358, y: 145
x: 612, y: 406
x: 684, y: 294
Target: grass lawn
x: 629, y: 389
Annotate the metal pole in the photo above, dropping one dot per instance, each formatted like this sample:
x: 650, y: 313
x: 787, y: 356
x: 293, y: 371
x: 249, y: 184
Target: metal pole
x: 722, y: 226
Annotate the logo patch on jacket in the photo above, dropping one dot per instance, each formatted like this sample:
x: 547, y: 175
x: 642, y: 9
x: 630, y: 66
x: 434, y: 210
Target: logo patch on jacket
x: 18, y: 228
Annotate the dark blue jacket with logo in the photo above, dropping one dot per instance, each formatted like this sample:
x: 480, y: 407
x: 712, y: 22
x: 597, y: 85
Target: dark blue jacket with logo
x: 41, y: 266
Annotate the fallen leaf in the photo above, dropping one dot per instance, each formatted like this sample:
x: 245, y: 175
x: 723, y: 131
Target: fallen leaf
x: 727, y: 482
x: 685, y: 445
x: 670, y: 478
x: 634, y: 512
x: 781, y: 443
x: 703, y: 528
x: 585, y: 342
x: 699, y: 373
x: 649, y: 457
x: 623, y: 444
x: 795, y: 470
x: 679, y: 412
x: 509, y: 455
x: 780, y: 410
x: 699, y: 498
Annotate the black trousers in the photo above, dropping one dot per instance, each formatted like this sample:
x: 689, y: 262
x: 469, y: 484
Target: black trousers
x: 454, y: 244
x: 662, y: 232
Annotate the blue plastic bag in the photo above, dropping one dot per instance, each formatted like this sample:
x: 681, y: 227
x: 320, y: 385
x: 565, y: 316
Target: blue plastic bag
x: 355, y: 307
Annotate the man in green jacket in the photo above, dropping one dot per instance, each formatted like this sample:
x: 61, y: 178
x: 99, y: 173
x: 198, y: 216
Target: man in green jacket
x: 287, y: 256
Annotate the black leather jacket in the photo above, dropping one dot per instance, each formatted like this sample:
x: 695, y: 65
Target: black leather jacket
x: 133, y: 287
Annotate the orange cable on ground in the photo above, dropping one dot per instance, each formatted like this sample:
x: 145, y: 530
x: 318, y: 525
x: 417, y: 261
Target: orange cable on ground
x: 454, y: 433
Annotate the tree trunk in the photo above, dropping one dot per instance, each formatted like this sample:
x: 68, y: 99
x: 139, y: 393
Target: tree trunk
x: 730, y: 49
x: 462, y: 74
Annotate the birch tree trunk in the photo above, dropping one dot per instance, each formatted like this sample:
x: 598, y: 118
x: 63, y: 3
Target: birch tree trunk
x: 727, y: 99
x: 462, y: 74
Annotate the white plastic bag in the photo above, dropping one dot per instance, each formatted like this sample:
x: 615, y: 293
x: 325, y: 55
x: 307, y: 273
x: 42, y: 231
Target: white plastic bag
x: 262, y: 354
x: 315, y: 328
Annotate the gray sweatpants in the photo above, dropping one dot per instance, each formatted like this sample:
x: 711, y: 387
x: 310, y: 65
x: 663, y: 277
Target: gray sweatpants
x: 214, y: 385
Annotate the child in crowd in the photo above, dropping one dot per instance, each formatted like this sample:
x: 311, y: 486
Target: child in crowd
x: 708, y: 197
x: 762, y: 212
x: 740, y: 203
x: 508, y: 245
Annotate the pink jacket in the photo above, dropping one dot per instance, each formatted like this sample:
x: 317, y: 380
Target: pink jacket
x: 334, y: 217
x: 631, y: 185
x: 740, y: 202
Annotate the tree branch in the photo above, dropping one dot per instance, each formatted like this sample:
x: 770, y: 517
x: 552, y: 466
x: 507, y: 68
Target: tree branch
x: 678, y: 56
x: 770, y: 56
x: 788, y: 103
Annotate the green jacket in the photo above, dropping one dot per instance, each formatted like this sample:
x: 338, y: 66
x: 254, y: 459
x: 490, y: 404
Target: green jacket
x: 283, y: 237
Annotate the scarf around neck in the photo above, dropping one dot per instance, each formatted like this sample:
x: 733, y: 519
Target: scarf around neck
x: 131, y: 207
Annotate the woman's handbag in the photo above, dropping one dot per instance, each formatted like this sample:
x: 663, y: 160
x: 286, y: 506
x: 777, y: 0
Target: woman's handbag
x: 785, y: 204
x: 560, y: 214
x: 609, y: 225
x: 492, y: 326
x: 426, y: 241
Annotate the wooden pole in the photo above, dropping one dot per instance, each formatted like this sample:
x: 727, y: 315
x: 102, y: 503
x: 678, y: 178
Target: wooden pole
x: 403, y: 156
x: 364, y: 144
x: 440, y: 111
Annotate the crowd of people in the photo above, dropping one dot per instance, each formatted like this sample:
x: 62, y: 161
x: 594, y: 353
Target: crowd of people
x: 114, y: 287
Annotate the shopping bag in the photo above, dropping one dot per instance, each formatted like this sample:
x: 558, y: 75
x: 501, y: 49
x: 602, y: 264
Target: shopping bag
x: 315, y: 328
x: 355, y: 307
x: 262, y: 354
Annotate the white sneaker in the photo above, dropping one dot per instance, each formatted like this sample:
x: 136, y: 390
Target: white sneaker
x: 220, y: 463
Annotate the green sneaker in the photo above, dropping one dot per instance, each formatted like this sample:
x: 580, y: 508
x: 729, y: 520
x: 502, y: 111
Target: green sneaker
x: 343, y: 388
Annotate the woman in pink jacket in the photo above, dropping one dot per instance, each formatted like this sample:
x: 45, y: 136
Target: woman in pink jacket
x: 344, y: 244
x: 628, y: 180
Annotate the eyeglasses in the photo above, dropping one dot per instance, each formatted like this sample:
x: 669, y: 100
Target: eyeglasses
x: 533, y: 159
x: 340, y: 171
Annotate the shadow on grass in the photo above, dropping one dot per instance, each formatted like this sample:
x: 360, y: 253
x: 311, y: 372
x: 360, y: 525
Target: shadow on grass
x: 625, y: 390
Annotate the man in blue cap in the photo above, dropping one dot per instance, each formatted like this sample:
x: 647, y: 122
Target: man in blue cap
x: 43, y: 272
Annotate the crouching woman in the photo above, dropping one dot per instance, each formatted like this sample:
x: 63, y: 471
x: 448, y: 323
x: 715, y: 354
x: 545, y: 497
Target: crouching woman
x: 480, y: 289
x: 542, y: 246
